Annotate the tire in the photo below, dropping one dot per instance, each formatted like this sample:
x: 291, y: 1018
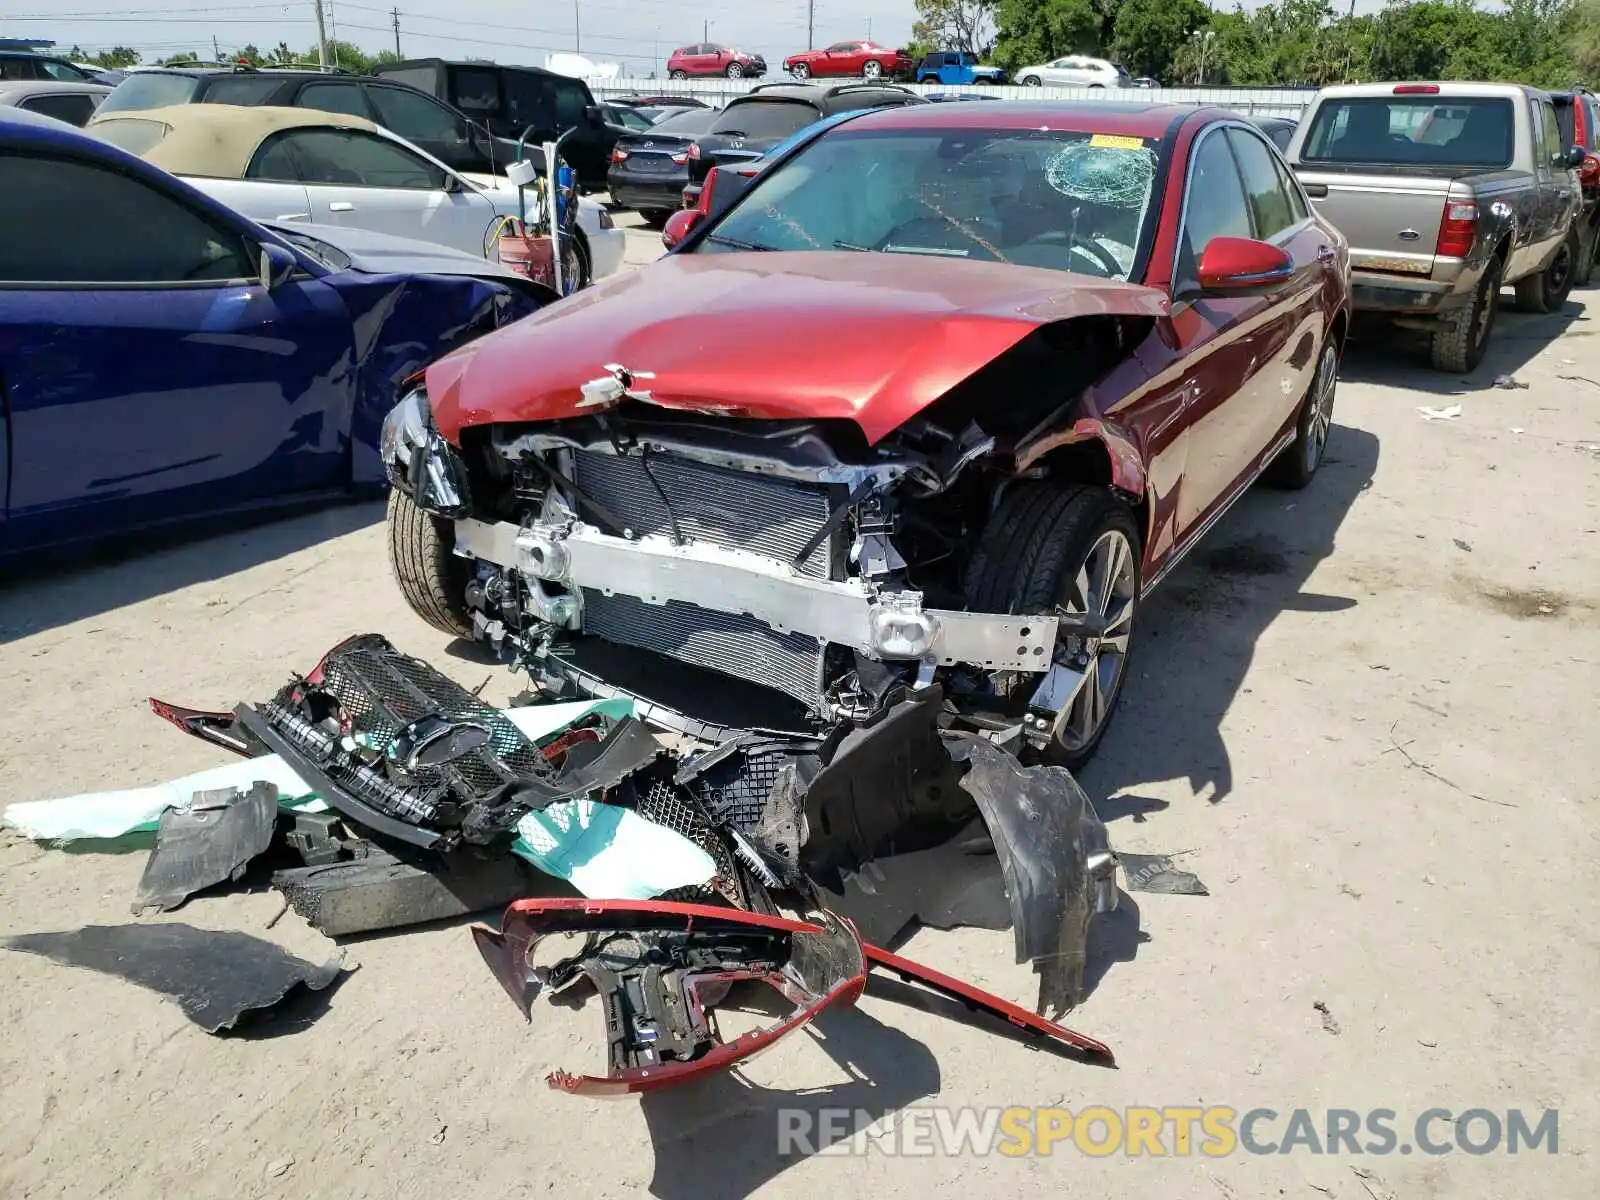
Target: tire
x: 1093, y: 86
x: 735, y: 71
x: 1032, y: 550
x: 1032, y: 81
x: 801, y: 71
x: 1298, y: 463
x: 1547, y: 291
x: 872, y: 69
x: 1459, y: 344
x: 656, y: 218
x: 677, y: 74
x: 1586, y: 264
x: 431, y: 578
x: 927, y: 81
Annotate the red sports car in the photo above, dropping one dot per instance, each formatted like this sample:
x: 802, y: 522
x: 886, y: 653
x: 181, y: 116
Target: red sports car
x: 862, y: 59
x: 924, y: 408
x: 708, y: 58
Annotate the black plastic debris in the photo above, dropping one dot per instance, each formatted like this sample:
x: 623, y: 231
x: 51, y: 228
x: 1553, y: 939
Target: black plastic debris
x: 214, y: 976
x: 378, y: 891
x: 208, y: 843
x: 1158, y: 873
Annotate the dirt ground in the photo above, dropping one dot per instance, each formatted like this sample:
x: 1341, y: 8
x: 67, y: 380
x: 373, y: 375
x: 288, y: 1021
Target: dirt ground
x: 1366, y: 710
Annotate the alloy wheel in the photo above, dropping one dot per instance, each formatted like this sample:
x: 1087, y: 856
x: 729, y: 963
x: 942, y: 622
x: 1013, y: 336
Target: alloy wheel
x: 735, y: 71
x: 873, y: 69
x: 1319, y: 416
x: 1105, y: 585
x: 801, y: 71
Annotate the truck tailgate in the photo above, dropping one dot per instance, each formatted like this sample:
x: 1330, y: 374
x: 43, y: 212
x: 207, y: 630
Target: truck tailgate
x: 1391, y: 221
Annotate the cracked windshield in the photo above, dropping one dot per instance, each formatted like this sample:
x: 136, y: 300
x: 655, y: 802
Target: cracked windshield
x: 1067, y: 201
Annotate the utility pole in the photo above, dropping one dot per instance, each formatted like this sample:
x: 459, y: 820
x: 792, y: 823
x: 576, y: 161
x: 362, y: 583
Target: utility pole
x: 322, y: 35
x: 705, y: 31
x: 396, y: 14
x: 216, y: 50
x: 811, y: 24
x: 577, y: 30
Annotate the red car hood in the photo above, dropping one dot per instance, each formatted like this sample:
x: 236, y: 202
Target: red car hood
x: 871, y: 338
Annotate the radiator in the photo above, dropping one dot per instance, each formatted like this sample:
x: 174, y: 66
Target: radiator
x: 733, y: 509
x: 732, y: 643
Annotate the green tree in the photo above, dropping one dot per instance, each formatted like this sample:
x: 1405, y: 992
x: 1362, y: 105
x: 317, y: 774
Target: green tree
x: 177, y: 60
x: 1036, y: 31
x: 1147, y: 34
x: 116, y: 58
x: 955, y: 25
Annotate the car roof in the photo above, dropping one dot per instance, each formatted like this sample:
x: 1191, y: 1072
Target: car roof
x: 219, y: 140
x: 1450, y: 90
x: 821, y: 95
x: 1151, y: 120
x: 17, y: 89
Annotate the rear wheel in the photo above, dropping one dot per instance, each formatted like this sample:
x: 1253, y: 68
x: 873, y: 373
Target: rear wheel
x: 1300, y: 459
x: 1070, y: 548
x: 872, y: 69
x: 678, y: 74
x: 1548, y: 290
x: 1588, y: 251
x: 1459, y: 344
x: 422, y: 556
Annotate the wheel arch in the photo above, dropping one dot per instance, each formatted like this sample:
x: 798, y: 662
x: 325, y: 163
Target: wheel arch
x: 1095, y: 452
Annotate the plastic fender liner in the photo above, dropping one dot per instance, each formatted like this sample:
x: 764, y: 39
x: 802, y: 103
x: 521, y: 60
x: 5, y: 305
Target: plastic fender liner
x: 648, y: 1007
x: 1055, y: 856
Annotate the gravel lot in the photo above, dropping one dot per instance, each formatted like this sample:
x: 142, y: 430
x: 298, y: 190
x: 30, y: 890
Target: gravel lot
x: 1368, y: 709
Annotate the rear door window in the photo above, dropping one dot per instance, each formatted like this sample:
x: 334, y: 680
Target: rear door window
x: 240, y: 89
x: 476, y: 92
x: 75, y: 110
x: 335, y: 98
x: 571, y: 98
x: 529, y: 102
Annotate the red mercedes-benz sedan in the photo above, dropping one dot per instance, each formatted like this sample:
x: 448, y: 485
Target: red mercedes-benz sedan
x: 932, y: 401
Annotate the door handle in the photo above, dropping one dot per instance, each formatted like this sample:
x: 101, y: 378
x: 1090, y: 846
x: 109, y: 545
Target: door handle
x: 341, y: 206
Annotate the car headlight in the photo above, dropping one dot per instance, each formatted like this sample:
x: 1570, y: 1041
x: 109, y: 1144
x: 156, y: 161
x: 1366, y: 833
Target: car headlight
x: 405, y: 428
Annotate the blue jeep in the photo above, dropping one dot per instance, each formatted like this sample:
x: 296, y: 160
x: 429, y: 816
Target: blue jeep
x: 956, y: 67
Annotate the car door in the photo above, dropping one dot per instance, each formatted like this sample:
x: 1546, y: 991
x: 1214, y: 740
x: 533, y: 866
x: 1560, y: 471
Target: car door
x: 428, y: 125
x: 366, y: 181
x: 75, y: 108
x: 1557, y: 181
x: 1218, y: 338
x: 1292, y: 321
x: 153, y: 376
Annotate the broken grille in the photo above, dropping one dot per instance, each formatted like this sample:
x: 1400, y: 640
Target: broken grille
x: 733, y: 643
x: 732, y: 509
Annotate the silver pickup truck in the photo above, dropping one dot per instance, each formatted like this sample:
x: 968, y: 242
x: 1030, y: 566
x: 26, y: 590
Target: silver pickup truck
x: 1447, y: 192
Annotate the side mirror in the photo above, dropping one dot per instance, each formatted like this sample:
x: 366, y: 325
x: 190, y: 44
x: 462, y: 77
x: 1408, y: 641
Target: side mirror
x: 278, y: 265
x: 1573, y: 158
x: 679, y: 226
x: 1235, y: 266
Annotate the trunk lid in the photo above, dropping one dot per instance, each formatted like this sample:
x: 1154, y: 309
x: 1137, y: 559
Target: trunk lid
x: 1391, y: 220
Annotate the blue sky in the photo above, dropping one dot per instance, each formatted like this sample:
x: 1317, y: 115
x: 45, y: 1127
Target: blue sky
x: 633, y: 33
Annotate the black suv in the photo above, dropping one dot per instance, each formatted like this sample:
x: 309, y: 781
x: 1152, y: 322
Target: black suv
x: 22, y: 66
x: 752, y: 124
x: 416, y: 116
x: 511, y: 100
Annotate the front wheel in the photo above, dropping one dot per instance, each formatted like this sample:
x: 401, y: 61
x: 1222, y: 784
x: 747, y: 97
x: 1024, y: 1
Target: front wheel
x: 735, y: 71
x: 422, y: 556
x: 1300, y: 459
x: 1070, y: 548
x: 1547, y: 291
x: 800, y: 71
x: 1032, y: 81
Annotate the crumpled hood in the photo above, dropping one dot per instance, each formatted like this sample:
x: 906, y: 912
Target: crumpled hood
x: 871, y: 338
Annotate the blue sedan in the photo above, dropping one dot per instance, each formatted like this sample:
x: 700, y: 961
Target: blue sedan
x: 164, y: 358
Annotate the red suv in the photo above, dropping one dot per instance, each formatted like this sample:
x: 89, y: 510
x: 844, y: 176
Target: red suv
x: 864, y: 59
x: 710, y: 59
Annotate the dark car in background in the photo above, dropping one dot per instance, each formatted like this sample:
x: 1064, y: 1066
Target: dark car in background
x: 511, y: 101
x: 424, y: 121
x: 752, y: 124
x: 1578, y: 116
x: 709, y: 58
x: 20, y: 66
x: 1278, y: 129
x: 662, y: 101
x: 650, y: 170
x: 209, y: 364
x: 73, y: 103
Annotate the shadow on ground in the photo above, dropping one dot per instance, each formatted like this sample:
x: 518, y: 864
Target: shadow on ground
x: 1380, y: 353
x: 56, y: 588
x: 1200, y: 628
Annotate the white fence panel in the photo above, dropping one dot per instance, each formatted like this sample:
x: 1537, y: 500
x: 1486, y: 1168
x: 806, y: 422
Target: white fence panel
x: 1287, y: 102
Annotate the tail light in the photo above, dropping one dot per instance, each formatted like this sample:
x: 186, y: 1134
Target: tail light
x: 619, y: 155
x: 681, y: 157
x: 1416, y: 89
x: 693, y: 151
x: 1589, y: 172
x: 1458, y: 230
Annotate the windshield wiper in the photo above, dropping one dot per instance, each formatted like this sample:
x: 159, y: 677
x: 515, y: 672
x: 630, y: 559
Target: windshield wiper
x: 852, y: 246
x: 736, y: 243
